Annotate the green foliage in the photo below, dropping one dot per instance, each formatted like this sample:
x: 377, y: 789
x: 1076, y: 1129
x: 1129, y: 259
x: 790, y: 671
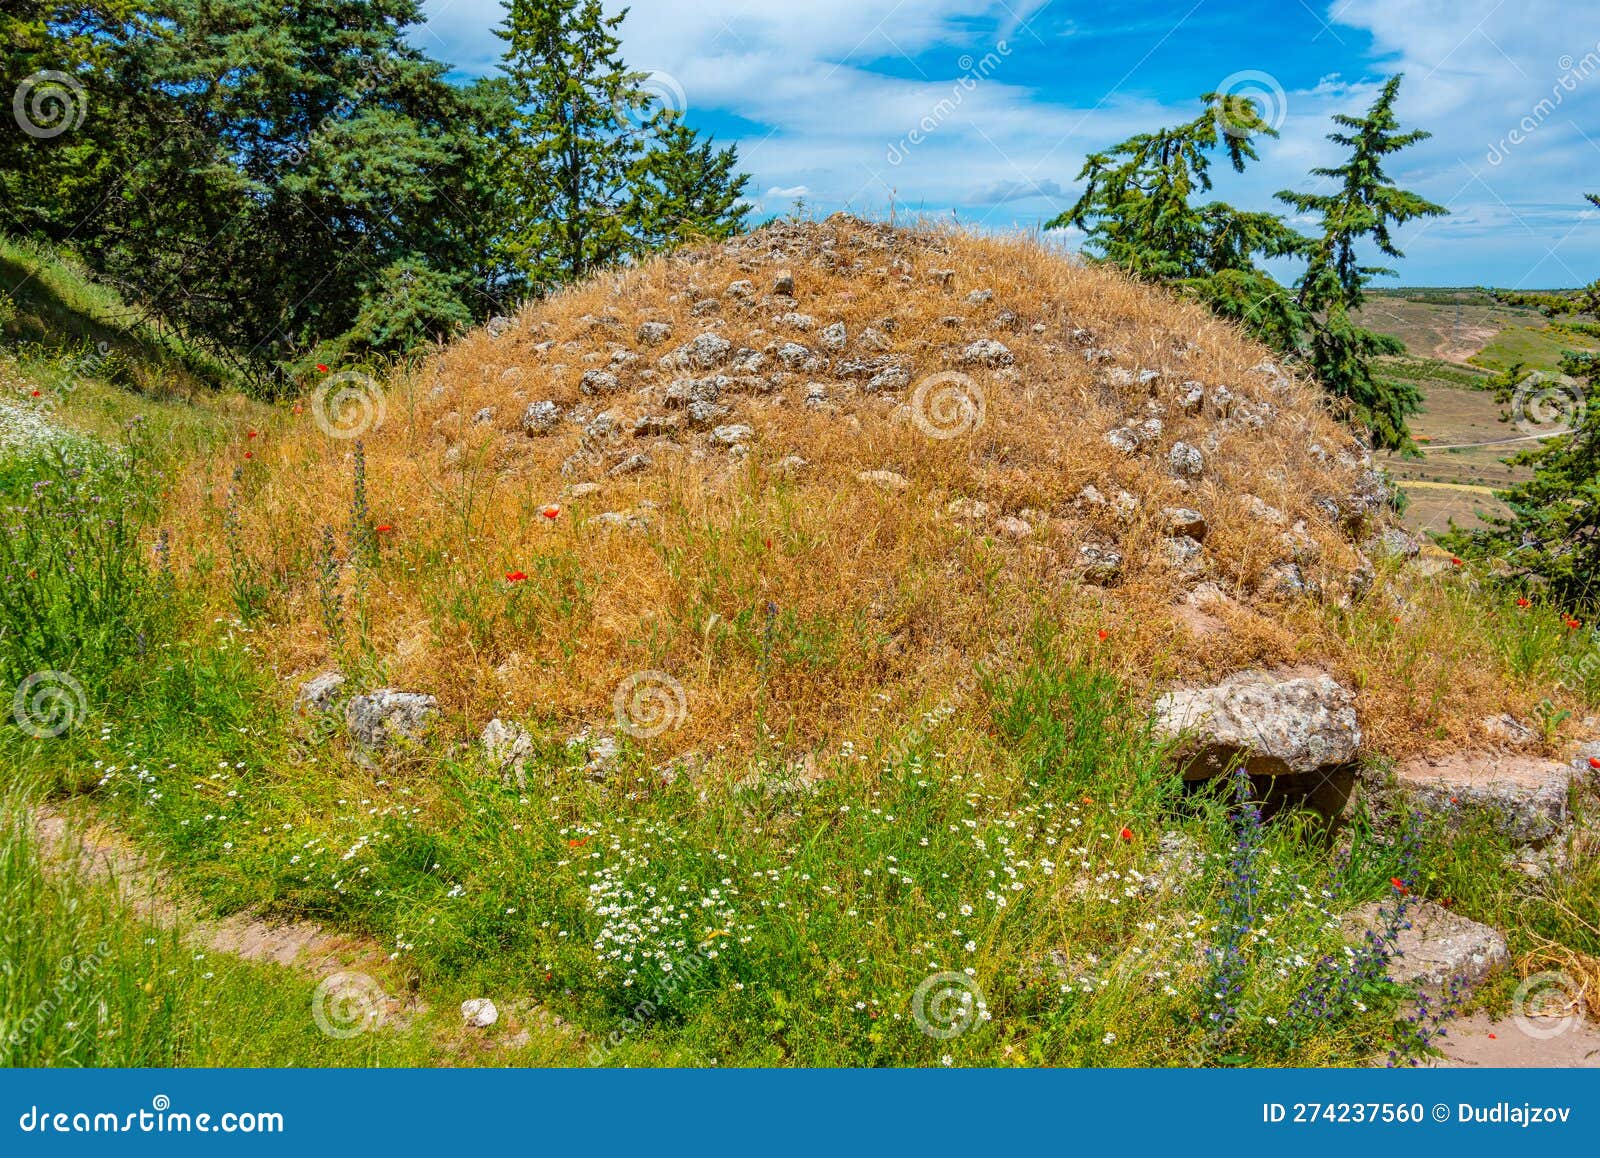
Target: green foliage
x: 685, y: 189
x: 91, y: 982
x: 76, y: 595
x: 283, y: 191
x: 1140, y: 213
x: 593, y: 171
x: 1552, y: 536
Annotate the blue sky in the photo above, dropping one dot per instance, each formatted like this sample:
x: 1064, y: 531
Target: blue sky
x: 984, y: 109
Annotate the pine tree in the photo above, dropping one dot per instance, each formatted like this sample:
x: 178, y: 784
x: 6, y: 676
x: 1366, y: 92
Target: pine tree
x: 1139, y: 213
x: 1365, y: 207
x: 685, y: 188
x: 1136, y: 204
x: 572, y: 145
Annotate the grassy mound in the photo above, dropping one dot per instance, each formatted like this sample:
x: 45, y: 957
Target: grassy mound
x: 874, y: 620
x: 949, y: 484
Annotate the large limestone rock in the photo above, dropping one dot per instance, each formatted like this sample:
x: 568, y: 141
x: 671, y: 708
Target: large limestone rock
x: 1436, y: 945
x: 387, y: 716
x: 1301, y: 725
x: 1524, y: 795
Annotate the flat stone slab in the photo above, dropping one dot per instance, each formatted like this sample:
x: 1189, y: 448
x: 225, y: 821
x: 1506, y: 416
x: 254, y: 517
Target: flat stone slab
x: 1438, y: 945
x: 1525, y: 795
x: 1480, y: 1041
x: 1277, y: 725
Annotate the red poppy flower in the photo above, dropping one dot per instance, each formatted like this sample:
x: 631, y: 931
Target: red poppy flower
x: 516, y: 576
x: 299, y: 409
x: 249, y: 454
x: 1493, y: 1038
x: 577, y: 843
x: 383, y: 530
x: 35, y: 394
x: 1594, y: 762
x: 1524, y: 602
x: 1103, y: 633
x: 1455, y: 561
x: 251, y: 434
x: 1126, y: 834
x: 1574, y: 624
x: 321, y: 367
x: 1400, y: 885
x: 551, y: 512
x: 769, y: 544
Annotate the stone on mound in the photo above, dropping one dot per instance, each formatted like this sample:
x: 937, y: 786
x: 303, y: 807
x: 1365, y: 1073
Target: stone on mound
x: 1436, y: 946
x: 1526, y: 796
x: 1278, y: 726
x: 387, y: 715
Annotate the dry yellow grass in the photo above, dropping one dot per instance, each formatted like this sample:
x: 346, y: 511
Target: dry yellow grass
x: 807, y: 602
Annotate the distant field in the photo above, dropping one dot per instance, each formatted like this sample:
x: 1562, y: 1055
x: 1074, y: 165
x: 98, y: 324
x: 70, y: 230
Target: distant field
x: 1456, y: 339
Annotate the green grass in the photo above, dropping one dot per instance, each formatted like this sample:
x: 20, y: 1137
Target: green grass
x: 87, y: 982
x: 1534, y: 347
x: 50, y: 306
x: 691, y: 923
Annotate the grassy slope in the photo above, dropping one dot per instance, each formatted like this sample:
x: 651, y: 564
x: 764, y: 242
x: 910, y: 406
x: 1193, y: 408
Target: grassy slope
x: 977, y: 823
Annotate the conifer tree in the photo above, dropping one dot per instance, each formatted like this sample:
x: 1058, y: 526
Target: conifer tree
x: 685, y: 188
x: 572, y: 144
x: 1364, y: 208
x: 1139, y: 212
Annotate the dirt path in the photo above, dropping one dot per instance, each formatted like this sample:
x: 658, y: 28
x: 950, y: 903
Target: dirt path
x: 95, y: 853
x: 90, y: 850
